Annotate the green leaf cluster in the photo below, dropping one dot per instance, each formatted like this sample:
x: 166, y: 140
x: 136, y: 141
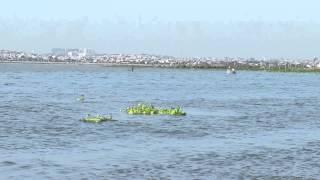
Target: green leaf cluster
x: 145, y: 109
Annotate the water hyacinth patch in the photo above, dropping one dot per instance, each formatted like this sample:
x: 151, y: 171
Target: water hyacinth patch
x: 145, y: 109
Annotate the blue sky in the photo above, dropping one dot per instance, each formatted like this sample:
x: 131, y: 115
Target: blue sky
x: 203, y: 10
x: 270, y: 28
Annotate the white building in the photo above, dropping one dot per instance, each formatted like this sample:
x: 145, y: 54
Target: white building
x: 83, y: 52
x: 86, y: 52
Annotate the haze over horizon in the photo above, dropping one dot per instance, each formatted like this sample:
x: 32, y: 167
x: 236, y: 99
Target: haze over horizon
x: 180, y: 28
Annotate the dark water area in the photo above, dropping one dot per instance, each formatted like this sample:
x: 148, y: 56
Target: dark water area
x: 245, y: 126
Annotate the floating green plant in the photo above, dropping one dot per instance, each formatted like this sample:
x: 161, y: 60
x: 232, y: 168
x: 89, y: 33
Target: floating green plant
x: 97, y: 119
x: 145, y: 109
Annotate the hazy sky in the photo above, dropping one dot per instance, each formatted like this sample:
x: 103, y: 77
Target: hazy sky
x: 270, y: 28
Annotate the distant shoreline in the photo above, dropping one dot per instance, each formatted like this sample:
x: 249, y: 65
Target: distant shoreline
x: 88, y: 57
x: 274, y: 69
x: 77, y: 63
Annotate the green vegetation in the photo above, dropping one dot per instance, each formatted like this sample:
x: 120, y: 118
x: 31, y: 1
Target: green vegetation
x: 145, y: 109
x: 282, y: 69
x: 97, y: 119
x: 302, y: 70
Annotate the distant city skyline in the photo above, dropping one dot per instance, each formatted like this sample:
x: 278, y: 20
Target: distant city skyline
x: 180, y: 28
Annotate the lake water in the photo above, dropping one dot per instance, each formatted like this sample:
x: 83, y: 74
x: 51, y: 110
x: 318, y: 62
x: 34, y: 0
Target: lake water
x: 248, y: 125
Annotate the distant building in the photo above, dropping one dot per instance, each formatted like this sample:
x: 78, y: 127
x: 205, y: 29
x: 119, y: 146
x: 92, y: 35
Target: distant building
x: 83, y: 52
x: 86, y: 52
x: 73, y: 54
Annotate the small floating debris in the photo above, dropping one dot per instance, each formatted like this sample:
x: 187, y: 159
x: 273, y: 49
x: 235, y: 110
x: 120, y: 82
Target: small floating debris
x: 145, y: 109
x: 80, y: 98
x: 97, y: 119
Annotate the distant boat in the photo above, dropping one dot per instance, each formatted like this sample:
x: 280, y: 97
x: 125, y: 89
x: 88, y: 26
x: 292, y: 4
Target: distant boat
x: 231, y: 71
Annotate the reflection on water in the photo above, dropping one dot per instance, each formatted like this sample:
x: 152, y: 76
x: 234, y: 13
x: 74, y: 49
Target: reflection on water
x: 250, y: 125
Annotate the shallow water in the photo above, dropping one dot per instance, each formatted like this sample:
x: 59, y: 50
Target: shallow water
x: 248, y: 125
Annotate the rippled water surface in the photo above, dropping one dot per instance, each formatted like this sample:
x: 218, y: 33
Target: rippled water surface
x: 248, y: 125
